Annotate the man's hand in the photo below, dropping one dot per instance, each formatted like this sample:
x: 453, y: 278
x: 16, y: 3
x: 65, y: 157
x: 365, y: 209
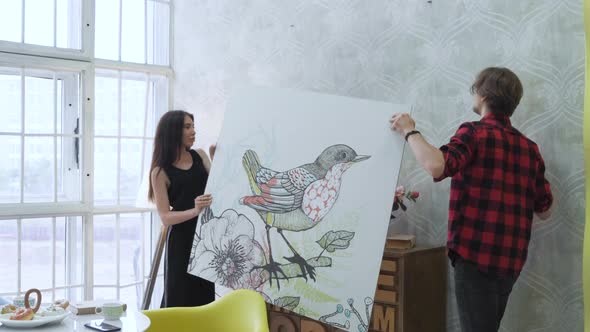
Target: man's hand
x: 402, y: 123
x: 545, y: 215
x: 428, y: 156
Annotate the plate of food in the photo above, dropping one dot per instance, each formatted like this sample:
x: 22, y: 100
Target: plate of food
x: 12, y: 316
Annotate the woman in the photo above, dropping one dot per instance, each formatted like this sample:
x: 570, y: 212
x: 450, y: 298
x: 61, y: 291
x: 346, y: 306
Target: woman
x: 178, y: 176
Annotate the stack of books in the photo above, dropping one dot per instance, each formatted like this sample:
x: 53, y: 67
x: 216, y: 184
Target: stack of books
x: 400, y: 241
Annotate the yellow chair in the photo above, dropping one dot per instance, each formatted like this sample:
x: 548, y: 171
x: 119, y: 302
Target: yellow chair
x: 241, y: 310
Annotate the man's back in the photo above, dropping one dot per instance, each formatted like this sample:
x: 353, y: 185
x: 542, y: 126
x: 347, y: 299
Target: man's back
x: 497, y: 184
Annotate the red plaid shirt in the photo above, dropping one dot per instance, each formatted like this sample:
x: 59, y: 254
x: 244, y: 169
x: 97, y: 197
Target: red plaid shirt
x: 498, y: 182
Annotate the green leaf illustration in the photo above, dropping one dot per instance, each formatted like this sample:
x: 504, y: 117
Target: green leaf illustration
x: 335, y: 240
x: 320, y: 261
x: 287, y: 302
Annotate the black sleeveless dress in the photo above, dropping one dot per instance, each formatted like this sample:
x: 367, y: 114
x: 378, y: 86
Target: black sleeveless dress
x: 182, y: 289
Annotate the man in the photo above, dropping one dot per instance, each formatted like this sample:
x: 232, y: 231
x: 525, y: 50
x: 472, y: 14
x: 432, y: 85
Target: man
x: 498, y: 183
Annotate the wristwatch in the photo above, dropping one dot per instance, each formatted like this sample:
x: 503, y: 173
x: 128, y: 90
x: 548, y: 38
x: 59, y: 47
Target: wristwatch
x: 411, y: 133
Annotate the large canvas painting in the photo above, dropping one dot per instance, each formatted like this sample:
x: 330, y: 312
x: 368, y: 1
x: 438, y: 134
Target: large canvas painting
x: 303, y: 186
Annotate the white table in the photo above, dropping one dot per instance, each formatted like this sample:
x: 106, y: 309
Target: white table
x: 131, y: 321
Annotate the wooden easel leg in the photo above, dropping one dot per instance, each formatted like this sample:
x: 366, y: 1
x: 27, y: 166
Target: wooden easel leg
x: 147, y: 296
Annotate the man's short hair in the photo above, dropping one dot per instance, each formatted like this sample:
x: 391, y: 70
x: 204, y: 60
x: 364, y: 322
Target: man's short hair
x: 501, y: 89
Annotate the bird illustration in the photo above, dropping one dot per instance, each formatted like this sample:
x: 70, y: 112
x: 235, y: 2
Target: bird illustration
x: 297, y: 199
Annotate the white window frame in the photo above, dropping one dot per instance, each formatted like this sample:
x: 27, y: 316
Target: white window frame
x: 68, y: 85
x: 86, y: 70
x: 85, y: 52
x: 119, y: 137
x: 70, y: 259
x: 14, y: 54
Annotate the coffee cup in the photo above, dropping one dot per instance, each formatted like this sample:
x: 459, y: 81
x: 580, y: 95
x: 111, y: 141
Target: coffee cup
x: 19, y: 301
x: 110, y: 311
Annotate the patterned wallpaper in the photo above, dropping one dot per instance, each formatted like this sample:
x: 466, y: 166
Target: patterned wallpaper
x: 424, y: 53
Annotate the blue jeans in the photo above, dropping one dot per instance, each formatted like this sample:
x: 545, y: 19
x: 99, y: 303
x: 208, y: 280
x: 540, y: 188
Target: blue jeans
x: 481, y: 297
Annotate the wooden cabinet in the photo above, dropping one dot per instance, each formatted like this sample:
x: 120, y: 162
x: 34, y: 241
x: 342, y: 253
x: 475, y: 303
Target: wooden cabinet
x: 411, y: 291
x: 410, y: 296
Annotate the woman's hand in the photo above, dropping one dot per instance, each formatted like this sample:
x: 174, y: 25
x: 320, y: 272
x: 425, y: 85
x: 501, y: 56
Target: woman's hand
x: 202, y: 202
x: 212, y: 149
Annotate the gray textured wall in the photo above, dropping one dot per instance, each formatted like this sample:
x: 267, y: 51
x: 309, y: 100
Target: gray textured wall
x: 426, y: 54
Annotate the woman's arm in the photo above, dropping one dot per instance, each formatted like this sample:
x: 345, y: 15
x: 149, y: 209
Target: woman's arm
x: 212, y: 150
x: 160, y: 186
x: 205, y: 158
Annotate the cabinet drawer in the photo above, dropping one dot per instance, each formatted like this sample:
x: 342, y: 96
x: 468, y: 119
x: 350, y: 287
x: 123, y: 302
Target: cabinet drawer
x: 386, y: 296
x: 384, y: 318
x: 387, y: 281
x: 389, y: 265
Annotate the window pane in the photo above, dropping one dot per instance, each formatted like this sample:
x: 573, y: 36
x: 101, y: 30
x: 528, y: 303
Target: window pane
x: 77, y: 252
x: 10, y: 172
x: 9, y: 257
x: 68, y: 169
x: 62, y: 23
x: 38, y: 172
x: 132, y: 295
x: 107, y: 29
x: 36, y: 251
x: 130, y: 169
x: 133, y: 90
x: 158, y: 102
x: 60, y: 252
x: 39, y: 22
x: 149, y: 241
x: 39, y: 103
x: 131, y: 252
x: 133, y: 31
x: 106, y: 106
x: 141, y: 199
x: 69, y: 23
x: 105, y: 293
x: 10, y: 94
x: 158, y: 34
x: 46, y: 296
x: 105, y: 171
x: 73, y: 295
x: 105, y: 250
x: 11, y: 20
x: 147, y: 157
x: 69, y: 253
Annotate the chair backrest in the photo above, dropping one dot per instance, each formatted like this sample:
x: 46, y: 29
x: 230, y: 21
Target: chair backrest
x: 240, y: 310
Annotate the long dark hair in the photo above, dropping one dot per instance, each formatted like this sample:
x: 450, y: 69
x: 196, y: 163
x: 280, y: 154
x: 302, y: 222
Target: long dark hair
x: 167, y: 143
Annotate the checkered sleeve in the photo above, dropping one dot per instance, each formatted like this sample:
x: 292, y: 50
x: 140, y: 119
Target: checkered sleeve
x: 459, y: 151
x: 543, y: 194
